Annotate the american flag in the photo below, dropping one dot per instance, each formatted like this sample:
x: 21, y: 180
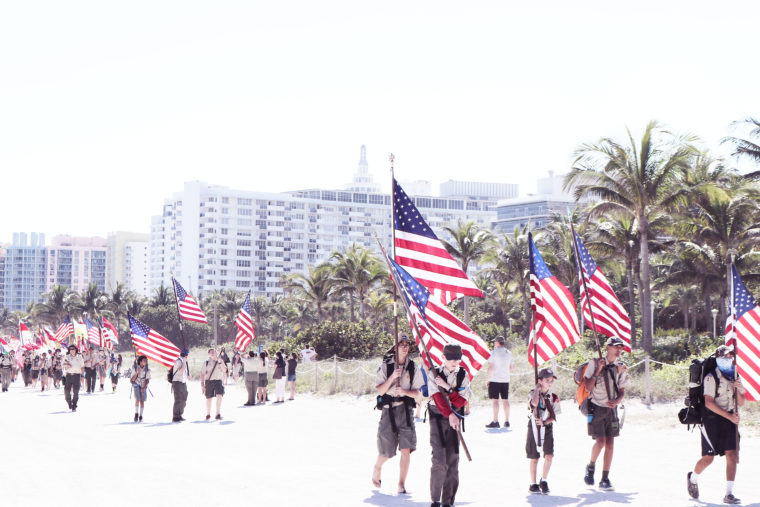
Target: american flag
x: 244, y: 324
x: 610, y: 316
x: 188, y: 308
x: 555, y: 323
x: 93, y: 333
x: 423, y: 255
x: 438, y: 325
x: 64, y: 330
x: 747, y: 329
x: 151, y: 344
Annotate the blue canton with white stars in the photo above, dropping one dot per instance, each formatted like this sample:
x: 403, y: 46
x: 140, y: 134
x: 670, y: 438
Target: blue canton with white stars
x: 408, y: 218
x: 247, y: 304
x: 181, y: 294
x: 411, y: 287
x: 138, y: 327
x: 743, y: 300
x: 89, y: 324
x: 537, y: 264
x: 586, y: 260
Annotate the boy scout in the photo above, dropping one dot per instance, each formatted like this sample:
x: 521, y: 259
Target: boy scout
x: 396, y: 427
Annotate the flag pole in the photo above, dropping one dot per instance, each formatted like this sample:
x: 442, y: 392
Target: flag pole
x: 736, y: 347
x: 535, y: 347
x: 179, y: 319
x: 433, y: 371
x: 392, y: 159
x: 582, y: 276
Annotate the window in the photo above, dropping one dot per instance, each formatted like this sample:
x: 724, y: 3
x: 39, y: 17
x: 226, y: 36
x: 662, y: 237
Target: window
x: 223, y: 241
x: 225, y: 200
x: 243, y: 273
x: 243, y: 253
x: 223, y: 262
x: 244, y: 242
x: 225, y: 211
x: 245, y: 222
x: 244, y: 264
x: 224, y: 231
x: 223, y: 251
x: 245, y: 202
x: 328, y: 195
x: 245, y: 211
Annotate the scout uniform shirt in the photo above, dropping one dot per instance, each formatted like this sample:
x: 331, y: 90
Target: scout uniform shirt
x: 75, y: 365
x: 724, y: 397
x: 87, y: 358
x: 6, y: 362
x: 451, y: 379
x: 218, y: 372
x: 143, y: 376
x: 543, y: 413
x: 180, y: 369
x: 404, y: 381
x: 618, y: 371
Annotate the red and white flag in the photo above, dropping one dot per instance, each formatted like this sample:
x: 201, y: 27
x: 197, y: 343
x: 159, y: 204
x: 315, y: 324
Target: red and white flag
x: 109, y: 331
x: 188, y: 308
x: 438, y: 326
x: 609, y: 314
x: 555, y: 324
x: 420, y: 252
x: 244, y: 324
x: 747, y: 329
x: 150, y: 343
x: 25, y: 334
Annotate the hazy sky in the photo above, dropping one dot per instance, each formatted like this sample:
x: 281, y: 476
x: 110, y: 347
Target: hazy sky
x: 106, y: 108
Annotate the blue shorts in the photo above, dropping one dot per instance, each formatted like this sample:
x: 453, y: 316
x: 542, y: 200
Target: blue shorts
x: 141, y: 394
x: 292, y: 378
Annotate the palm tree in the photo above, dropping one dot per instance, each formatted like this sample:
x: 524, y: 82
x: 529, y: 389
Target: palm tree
x: 355, y: 270
x: 260, y: 309
x: 91, y: 301
x: 118, y: 303
x: 511, y: 266
x: 470, y: 243
x: 747, y: 148
x: 55, y: 305
x: 162, y: 295
x: 314, y: 288
x: 638, y: 180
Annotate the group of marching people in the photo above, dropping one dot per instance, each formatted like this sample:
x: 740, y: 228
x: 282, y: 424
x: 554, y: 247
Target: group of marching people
x: 48, y: 368
x: 604, y: 381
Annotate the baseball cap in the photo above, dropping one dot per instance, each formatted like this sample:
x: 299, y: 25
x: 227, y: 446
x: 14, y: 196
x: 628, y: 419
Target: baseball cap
x: 546, y: 373
x: 614, y: 341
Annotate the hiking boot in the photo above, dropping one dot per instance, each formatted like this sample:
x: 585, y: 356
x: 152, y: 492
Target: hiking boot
x: 140, y: 419
x: 692, y: 488
x: 175, y: 419
x: 534, y: 488
x: 493, y: 424
x: 506, y: 424
x: 589, y: 477
x: 605, y: 485
x: 136, y: 416
x: 731, y: 499
x: 544, y: 487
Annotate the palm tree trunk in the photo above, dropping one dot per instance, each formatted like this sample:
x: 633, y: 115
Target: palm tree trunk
x: 685, y: 312
x: 644, y: 291
x: 631, y: 301
x: 466, y: 310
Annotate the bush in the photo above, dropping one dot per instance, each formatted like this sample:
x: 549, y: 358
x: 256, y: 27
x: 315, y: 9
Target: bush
x: 350, y: 340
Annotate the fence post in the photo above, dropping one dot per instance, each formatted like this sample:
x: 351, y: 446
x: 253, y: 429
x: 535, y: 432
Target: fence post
x: 647, y: 398
x: 335, y: 366
x: 359, y: 380
x: 316, y: 377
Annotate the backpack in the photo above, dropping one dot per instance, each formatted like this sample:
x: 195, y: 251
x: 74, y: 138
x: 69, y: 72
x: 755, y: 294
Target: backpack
x: 583, y: 395
x: 170, y: 373
x: 693, y: 412
x: 387, y: 399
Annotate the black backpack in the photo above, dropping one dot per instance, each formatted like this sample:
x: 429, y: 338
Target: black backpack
x: 170, y: 373
x: 387, y: 399
x: 693, y: 412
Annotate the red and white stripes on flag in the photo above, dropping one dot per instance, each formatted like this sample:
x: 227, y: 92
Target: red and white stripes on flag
x: 438, y: 326
x: 555, y: 323
x: 151, y: 344
x: 188, y: 308
x: 419, y: 251
x: 244, y: 323
x: 747, y: 329
x: 109, y: 331
x: 93, y: 333
x: 64, y: 330
x: 610, y: 316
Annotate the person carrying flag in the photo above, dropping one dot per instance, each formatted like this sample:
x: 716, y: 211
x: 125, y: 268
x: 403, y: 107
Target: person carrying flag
x: 6, y: 364
x: 606, y: 379
x: 213, y: 373
x: 101, y: 365
x: 57, y: 368
x: 398, y: 384
x: 724, y: 394
x: 444, y: 425
x: 180, y: 376
x: 44, y: 370
x: 140, y: 379
x: 544, y: 407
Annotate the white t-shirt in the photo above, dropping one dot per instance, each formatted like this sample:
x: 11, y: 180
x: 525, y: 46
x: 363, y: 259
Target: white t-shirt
x: 501, y: 359
x: 308, y: 355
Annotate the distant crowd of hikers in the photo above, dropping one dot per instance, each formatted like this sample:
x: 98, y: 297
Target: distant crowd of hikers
x: 715, y: 396
x: 77, y: 370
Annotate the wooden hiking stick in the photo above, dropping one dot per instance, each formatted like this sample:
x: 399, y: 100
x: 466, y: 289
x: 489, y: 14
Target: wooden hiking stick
x: 427, y: 352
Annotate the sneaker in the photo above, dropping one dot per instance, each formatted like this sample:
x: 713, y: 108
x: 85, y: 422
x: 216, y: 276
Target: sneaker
x: 140, y: 418
x: 731, y: 499
x: 534, y: 488
x: 506, y: 424
x: 493, y: 424
x: 208, y: 416
x: 136, y: 416
x: 589, y: 477
x: 218, y: 417
x: 692, y: 488
x: 544, y: 487
x: 175, y: 419
x: 605, y: 485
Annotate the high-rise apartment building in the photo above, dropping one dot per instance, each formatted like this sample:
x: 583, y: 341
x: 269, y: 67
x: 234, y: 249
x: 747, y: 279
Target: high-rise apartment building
x: 76, y: 261
x: 128, y: 261
x: 23, y: 271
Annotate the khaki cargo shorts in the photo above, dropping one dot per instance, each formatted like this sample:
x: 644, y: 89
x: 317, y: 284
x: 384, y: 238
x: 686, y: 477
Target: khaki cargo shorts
x: 387, y: 440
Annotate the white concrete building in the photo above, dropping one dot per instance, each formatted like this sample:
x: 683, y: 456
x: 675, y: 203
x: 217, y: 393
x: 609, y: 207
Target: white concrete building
x: 128, y: 261
x: 76, y: 261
